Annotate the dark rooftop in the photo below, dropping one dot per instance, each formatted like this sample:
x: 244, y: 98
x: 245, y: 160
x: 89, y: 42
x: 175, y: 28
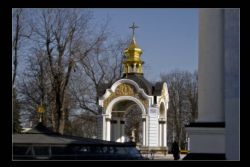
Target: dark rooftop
x: 43, y: 135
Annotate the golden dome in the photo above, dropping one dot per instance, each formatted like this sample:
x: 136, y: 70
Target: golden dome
x: 133, y: 49
x: 132, y: 62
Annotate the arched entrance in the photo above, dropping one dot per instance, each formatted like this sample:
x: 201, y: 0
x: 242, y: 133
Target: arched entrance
x: 115, y: 122
x: 126, y: 122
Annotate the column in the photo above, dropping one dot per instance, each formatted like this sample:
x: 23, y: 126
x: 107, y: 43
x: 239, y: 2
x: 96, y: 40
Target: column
x: 160, y: 134
x: 108, y: 129
x: 140, y: 68
x: 146, y: 138
x: 210, y: 69
x: 207, y: 135
x: 144, y: 131
x: 104, y: 127
x: 134, y: 69
x: 165, y: 134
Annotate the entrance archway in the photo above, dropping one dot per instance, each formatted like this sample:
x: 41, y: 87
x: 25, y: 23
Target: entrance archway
x: 116, y: 114
x: 126, y: 122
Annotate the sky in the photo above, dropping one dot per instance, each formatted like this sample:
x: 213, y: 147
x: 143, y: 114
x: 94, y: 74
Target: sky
x: 168, y: 37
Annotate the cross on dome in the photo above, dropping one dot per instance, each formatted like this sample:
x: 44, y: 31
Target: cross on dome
x: 133, y: 27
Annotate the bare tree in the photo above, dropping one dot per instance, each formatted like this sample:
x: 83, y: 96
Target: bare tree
x: 19, y: 33
x: 17, y: 28
x: 65, y: 46
x: 36, y: 89
x: 99, y: 70
x: 84, y: 125
x: 192, y: 94
x: 182, y: 86
x: 60, y: 34
x: 133, y: 123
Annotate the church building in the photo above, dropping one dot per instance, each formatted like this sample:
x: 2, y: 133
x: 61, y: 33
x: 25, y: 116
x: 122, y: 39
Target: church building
x: 130, y: 91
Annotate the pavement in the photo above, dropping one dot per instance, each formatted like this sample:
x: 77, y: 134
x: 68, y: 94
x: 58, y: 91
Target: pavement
x: 168, y: 157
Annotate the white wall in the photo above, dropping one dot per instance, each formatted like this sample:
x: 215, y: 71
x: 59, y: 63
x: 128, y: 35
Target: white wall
x: 207, y: 140
x: 210, y: 68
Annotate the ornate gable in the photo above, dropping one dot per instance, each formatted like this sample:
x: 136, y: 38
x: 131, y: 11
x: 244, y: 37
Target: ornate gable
x: 125, y: 89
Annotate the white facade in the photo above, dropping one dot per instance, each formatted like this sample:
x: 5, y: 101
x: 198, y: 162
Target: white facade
x: 210, y: 68
x: 218, y: 85
x: 153, y: 121
x: 207, y: 140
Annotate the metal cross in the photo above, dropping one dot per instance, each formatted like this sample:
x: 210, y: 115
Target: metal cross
x: 134, y: 27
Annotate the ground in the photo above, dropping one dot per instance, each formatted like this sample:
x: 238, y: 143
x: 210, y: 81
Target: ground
x: 167, y: 157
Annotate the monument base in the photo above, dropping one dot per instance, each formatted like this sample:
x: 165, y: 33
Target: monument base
x: 153, y: 151
x: 207, y: 141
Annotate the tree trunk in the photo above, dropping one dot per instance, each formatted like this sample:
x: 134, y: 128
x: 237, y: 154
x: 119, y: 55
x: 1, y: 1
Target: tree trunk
x: 62, y: 123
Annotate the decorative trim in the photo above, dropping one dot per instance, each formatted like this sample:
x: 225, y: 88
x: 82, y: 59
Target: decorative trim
x: 120, y: 98
x: 125, y: 81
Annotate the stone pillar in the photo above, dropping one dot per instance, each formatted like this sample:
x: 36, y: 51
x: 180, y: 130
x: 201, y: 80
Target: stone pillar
x: 140, y: 68
x: 146, y: 127
x: 104, y: 127
x: 207, y: 135
x: 160, y: 134
x: 165, y: 134
x: 134, y: 69
x: 210, y: 69
x: 144, y: 131
x: 108, y: 129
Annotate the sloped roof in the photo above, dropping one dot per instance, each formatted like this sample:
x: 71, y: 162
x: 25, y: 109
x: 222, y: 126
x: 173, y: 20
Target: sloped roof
x: 158, y: 88
x: 43, y: 135
x: 40, y: 128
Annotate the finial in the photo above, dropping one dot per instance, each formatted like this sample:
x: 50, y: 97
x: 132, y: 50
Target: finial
x: 40, y: 111
x: 133, y: 27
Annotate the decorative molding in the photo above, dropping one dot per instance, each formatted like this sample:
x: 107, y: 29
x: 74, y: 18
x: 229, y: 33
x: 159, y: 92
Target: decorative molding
x: 140, y: 92
x: 125, y: 89
x: 122, y: 98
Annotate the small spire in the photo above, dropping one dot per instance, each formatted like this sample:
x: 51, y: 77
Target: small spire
x: 40, y: 111
x: 133, y: 27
